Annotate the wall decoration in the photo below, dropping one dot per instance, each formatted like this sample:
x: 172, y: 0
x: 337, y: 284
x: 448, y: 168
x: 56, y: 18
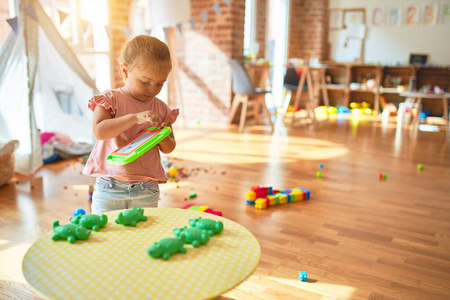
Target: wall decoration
x: 395, y: 16
x: 412, y: 15
x: 430, y: 14
x: 378, y: 16
x: 336, y: 21
x: 354, y: 16
x: 445, y: 18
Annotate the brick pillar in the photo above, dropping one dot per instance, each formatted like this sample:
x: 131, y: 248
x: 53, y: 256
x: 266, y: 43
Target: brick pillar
x: 308, y: 29
x: 203, y: 51
x: 118, y: 15
x: 5, y: 29
x: 261, y: 25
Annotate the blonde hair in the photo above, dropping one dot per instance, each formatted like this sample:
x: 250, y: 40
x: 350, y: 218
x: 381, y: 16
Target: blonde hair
x: 154, y: 53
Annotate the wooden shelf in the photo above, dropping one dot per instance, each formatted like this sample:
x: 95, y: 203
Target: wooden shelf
x: 386, y: 79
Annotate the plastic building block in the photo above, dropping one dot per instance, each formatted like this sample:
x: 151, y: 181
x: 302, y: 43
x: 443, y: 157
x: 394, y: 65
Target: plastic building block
x: 131, y: 216
x: 173, y: 172
x: 194, y: 236
x: 93, y: 222
x: 213, y: 227
x: 210, y: 211
x: 303, y: 276
x: 192, y: 196
x: 194, y: 207
x: 261, y: 203
x: 167, y: 247
x: 250, y: 195
x: 203, y: 208
x: 275, y: 197
x: 187, y: 206
x: 69, y: 232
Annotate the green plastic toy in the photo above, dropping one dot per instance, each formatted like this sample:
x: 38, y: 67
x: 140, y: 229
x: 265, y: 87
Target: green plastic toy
x: 167, y: 247
x: 138, y: 145
x: 194, y: 236
x: 92, y: 221
x: 213, y: 227
x: 131, y: 216
x: 69, y: 232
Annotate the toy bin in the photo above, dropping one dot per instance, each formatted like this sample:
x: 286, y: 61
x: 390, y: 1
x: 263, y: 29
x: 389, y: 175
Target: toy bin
x: 7, y: 161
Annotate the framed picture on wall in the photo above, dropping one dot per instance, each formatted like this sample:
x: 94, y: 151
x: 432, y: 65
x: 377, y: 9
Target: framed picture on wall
x: 418, y: 58
x: 354, y: 16
x: 336, y: 21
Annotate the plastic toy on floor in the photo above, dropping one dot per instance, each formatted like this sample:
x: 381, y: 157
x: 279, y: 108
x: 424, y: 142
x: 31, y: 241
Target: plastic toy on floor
x: 194, y: 236
x: 69, y: 232
x: 167, y: 247
x: 203, y: 208
x: 94, y: 222
x: 213, y: 227
x: 131, y: 217
x: 264, y: 196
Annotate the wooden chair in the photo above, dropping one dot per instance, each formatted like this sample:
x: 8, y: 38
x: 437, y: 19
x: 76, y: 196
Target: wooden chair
x: 245, y: 92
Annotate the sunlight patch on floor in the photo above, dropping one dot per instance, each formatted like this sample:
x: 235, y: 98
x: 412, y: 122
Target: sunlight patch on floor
x: 235, y: 148
x: 334, y: 291
x: 11, y: 260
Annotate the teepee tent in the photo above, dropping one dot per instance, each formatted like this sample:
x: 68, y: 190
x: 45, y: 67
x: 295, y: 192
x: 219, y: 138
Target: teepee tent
x: 43, y: 87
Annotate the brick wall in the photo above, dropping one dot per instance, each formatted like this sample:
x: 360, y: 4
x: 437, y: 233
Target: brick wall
x: 261, y: 23
x: 5, y: 29
x: 118, y: 14
x: 203, y: 52
x: 308, y: 28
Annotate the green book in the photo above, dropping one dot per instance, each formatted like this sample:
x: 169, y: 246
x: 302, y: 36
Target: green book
x: 138, y: 145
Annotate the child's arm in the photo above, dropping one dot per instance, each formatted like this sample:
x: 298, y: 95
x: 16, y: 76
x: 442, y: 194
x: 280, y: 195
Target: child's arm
x: 106, y: 127
x: 168, y: 144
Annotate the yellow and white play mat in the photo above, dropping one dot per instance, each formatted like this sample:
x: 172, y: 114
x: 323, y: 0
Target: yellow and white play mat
x: 113, y: 263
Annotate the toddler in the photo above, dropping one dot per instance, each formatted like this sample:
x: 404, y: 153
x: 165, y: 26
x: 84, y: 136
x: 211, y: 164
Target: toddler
x: 119, y: 115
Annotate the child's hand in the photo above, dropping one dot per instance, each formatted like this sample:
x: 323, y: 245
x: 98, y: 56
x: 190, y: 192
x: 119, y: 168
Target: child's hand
x: 171, y: 118
x: 148, y: 117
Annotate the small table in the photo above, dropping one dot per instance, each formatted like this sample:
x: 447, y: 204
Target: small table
x: 417, y: 98
x: 113, y: 263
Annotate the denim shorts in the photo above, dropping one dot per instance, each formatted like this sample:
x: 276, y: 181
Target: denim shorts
x: 111, y: 194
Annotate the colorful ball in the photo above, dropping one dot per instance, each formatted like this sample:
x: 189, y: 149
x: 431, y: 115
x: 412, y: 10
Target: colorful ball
x: 173, y: 172
x: 319, y: 174
x: 420, y: 167
x: 79, y: 211
x: 321, y: 166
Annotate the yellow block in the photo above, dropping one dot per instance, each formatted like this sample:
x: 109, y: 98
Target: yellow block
x: 261, y: 203
x: 283, y: 199
x: 203, y: 208
x: 272, y: 200
x: 250, y: 195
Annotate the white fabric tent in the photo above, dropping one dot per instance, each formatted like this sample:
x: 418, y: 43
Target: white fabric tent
x: 42, y: 86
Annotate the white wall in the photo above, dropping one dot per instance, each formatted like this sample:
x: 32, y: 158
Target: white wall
x: 388, y: 44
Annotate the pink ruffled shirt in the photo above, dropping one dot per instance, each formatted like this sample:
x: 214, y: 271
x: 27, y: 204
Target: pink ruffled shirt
x: 146, y: 167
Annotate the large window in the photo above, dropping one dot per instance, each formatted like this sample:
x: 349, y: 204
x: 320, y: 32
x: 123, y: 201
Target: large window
x: 82, y: 24
x: 251, y: 47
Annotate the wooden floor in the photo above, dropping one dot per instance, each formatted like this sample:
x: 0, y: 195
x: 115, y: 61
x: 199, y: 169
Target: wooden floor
x: 358, y: 237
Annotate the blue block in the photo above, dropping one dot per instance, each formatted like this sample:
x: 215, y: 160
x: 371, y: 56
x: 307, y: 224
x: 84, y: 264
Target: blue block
x: 303, y: 275
x: 288, y: 196
x: 270, y: 190
x: 251, y: 202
